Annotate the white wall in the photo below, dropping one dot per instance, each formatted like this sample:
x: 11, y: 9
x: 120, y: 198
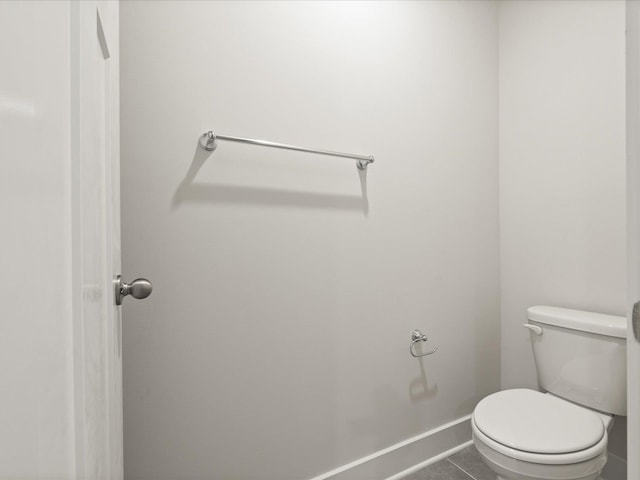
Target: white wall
x: 275, y: 344
x: 562, y: 167
x: 36, y: 378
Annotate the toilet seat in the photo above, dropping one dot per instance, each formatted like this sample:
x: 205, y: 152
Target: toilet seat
x: 534, y: 427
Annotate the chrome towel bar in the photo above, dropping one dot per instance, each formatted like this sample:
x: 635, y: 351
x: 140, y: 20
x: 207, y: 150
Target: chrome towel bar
x: 208, y: 142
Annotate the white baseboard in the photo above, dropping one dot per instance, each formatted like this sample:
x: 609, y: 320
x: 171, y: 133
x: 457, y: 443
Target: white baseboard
x: 407, y: 456
x: 615, y: 469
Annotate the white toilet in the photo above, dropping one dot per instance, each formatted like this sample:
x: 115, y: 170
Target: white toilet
x: 523, y: 434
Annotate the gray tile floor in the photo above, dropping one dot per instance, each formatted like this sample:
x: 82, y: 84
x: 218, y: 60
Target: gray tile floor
x: 464, y: 465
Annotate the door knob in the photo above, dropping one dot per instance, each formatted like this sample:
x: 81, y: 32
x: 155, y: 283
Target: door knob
x: 139, y: 288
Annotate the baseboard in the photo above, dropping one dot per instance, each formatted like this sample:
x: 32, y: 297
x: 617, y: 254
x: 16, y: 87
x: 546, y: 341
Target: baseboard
x: 407, y: 456
x: 615, y: 469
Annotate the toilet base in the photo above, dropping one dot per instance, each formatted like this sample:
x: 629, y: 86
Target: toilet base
x: 508, y: 468
x: 498, y: 477
x: 518, y: 476
x: 503, y: 474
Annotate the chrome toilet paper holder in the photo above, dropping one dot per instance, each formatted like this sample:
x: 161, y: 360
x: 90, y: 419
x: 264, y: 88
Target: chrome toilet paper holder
x: 418, y: 336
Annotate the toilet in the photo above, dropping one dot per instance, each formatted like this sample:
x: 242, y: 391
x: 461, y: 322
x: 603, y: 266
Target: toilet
x: 560, y: 434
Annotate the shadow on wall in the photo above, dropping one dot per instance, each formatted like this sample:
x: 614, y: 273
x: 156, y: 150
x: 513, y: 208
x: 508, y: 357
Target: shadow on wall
x: 192, y: 192
x: 419, y: 387
x: 386, y: 400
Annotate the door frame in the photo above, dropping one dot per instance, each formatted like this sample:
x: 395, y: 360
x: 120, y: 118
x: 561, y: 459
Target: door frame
x: 94, y: 26
x: 633, y: 232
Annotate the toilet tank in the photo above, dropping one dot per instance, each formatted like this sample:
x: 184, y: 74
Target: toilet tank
x: 581, y: 356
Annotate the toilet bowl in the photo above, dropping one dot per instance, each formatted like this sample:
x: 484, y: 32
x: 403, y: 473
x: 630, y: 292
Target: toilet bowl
x: 526, y: 435
x: 580, y: 358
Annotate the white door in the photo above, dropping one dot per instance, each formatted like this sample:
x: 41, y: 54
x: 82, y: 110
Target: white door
x: 60, y: 356
x: 633, y: 221
x: 96, y: 238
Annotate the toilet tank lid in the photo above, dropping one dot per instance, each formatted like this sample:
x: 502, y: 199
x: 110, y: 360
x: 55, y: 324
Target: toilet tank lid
x: 600, y: 323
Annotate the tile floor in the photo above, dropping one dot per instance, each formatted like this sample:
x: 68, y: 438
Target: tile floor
x: 464, y: 465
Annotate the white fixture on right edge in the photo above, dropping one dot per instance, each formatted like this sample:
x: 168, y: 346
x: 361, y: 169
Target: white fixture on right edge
x: 523, y: 434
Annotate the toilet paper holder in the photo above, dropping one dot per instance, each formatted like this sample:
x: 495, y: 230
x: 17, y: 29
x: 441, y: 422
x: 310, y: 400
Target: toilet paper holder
x: 418, y: 336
